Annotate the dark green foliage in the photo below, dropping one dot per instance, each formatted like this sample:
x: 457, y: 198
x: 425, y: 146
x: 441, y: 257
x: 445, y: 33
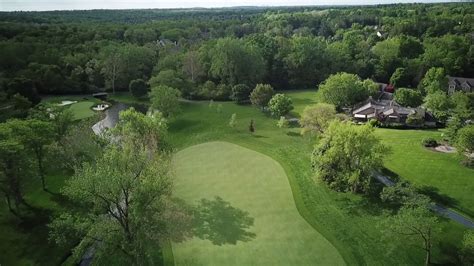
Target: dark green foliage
x: 138, y: 88
x: 251, y: 126
x: 408, y: 97
x: 241, y: 93
x: 429, y: 142
x: 261, y: 95
x: 400, y: 78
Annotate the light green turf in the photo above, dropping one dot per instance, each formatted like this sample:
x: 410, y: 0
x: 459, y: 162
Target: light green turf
x: 257, y: 184
x: 82, y: 110
x: 453, y: 182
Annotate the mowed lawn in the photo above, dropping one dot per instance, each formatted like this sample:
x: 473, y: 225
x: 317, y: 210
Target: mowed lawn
x: 82, y: 110
x: 440, y: 174
x: 301, y: 99
x: 274, y: 233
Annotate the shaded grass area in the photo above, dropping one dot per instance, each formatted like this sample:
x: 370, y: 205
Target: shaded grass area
x: 439, y: 175
x: 246, y: 213
x: 25, y: 241
x: 348, y: 221
x: 126, y: 97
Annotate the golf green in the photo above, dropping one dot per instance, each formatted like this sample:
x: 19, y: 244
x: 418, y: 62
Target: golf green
x: 247, y: 214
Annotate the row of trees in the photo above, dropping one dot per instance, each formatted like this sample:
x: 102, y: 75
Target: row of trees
x: 291, y: 49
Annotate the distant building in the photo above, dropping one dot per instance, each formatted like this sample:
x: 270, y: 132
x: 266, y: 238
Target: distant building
x: 460, y: 84
x: 389, y: 111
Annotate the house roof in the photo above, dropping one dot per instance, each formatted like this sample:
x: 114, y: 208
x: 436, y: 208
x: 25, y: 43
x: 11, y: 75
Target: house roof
x: 458, y: 81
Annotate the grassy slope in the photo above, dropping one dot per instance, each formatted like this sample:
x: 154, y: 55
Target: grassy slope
x: 301, y: 99
x: 254, y: 183
x: 348, y: 221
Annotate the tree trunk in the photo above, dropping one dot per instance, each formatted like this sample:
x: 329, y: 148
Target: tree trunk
x: 428, y: 248
x: 9, y: 203
x: 428, y: 257
x: 14, y: 185
x: 39, y: 158
x: 113, y: 79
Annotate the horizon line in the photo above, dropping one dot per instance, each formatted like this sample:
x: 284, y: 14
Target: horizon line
x: 244, y: 6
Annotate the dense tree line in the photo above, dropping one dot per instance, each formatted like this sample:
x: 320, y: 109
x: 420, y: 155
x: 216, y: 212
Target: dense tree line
x: 204, y: 53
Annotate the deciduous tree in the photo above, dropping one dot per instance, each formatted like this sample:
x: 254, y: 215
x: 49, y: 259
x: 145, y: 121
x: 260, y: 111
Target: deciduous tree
x: 347, y: 156
x: 165, y: 99
x: 316, y: 118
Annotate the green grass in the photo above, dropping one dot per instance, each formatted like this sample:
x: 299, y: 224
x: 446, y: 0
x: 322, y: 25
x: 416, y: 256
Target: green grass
x: 82, y: 110
x: 439, y: 173
x: 253, y: 183
x: 348, y: 221
x: 301, y: 99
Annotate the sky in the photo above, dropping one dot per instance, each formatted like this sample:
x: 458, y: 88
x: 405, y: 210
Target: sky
x: 41, y: 5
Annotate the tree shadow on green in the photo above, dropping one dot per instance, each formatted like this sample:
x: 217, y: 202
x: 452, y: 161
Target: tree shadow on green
x: 217, y: 221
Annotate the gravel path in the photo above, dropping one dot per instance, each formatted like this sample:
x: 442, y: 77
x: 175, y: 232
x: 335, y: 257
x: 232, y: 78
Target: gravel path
x: 441, y: 210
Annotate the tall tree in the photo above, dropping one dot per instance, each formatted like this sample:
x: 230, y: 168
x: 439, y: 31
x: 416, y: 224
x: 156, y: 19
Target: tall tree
x: 165, y: 99
x: 415, y: 223
x: 234, y: 61
x: 192, y: 66
x: 316, y: 119
x: 12, y: 164
x: 113, y: 64
x: 36, y: 135
x: 342, y: 90
x: 126, y: 193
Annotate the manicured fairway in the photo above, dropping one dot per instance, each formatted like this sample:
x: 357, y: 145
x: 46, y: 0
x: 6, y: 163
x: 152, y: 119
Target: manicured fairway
x: 254, y: 183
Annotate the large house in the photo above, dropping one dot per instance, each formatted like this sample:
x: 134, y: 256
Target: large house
x: 460, y: 84
x: 389, y: 111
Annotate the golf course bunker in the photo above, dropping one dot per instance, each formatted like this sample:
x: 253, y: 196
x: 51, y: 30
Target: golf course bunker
x: 247, y: 214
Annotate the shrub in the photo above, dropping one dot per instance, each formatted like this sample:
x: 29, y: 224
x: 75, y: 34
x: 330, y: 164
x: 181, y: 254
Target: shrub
x: 233, y: 120
x: 429, y: 142
x: 240, y: 93
x: 468, y: 162
x: 415, y: 120
x: 374, y: 122
x: 219, y: 108
x: 261, y: 95
x: 280, y: 105
x: 283, y: 122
